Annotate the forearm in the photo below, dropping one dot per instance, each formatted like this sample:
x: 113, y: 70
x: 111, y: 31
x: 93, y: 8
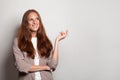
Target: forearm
x: 38, y: 68
x: 55, y: 53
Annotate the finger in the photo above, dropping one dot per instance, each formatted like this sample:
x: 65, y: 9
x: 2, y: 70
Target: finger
x: 62, y: 33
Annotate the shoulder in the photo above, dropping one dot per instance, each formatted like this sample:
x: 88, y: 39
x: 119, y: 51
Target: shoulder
x: 15, y: 41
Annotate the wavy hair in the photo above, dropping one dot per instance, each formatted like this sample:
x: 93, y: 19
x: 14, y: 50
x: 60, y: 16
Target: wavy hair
x: 44, y: 45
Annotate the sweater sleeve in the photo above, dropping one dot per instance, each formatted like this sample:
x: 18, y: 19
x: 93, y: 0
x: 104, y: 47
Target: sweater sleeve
x: 20, y: 63
x: 51, y: 62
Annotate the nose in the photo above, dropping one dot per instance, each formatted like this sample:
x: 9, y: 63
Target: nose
x: 34, y: 21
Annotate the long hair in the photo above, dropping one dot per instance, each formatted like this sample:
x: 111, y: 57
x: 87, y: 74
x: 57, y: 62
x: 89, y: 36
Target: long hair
x: 44, y: 45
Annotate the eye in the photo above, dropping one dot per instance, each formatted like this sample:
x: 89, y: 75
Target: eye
x: 30, y: 19
x: 37, y: 18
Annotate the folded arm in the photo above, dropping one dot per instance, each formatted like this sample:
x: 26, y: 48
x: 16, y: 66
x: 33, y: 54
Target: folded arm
x: 21, y: 64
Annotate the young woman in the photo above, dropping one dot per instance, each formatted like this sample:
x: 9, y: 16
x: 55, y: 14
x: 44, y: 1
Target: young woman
x: 35, y: 57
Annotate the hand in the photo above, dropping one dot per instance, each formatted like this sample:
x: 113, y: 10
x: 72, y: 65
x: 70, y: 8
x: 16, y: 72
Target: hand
x: 62, y: 35
x: 46, y: 67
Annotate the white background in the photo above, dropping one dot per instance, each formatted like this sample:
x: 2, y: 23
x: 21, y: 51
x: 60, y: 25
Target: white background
x: 90, y: 52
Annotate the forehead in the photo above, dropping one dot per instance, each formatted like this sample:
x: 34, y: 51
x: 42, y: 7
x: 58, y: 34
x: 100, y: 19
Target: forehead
x: 32, y: 14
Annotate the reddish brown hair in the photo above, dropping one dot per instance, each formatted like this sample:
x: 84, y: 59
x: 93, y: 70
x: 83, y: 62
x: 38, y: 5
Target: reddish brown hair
x: 24, y: 38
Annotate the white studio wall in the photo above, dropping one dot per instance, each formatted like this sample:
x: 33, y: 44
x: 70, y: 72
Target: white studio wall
x: 90, y: 52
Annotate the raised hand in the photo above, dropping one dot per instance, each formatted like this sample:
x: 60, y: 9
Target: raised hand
x: 62, y: 35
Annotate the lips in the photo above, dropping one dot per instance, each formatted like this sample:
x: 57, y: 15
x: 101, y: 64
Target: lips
x: 34, y: 26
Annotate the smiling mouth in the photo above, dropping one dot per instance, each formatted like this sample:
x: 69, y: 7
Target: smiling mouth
x: 35, y: 26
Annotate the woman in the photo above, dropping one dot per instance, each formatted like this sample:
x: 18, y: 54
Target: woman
x: 35, y: 58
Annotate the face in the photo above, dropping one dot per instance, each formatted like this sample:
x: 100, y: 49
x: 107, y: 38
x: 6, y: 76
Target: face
x: 33, y: 22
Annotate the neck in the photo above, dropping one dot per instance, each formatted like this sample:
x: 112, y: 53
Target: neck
x: 33, y: 34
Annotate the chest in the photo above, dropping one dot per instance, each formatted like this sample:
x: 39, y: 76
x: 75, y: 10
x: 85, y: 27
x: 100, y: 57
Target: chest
x: 42, y: 61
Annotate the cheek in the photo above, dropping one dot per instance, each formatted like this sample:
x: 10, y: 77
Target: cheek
x: 29, y: 23
x: 38, y: 21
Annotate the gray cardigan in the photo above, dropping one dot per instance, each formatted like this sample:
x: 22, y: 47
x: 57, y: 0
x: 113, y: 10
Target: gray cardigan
x: 23, y: 64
